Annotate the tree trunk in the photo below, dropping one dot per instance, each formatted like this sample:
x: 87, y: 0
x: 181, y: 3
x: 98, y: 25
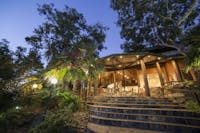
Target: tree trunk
x: 75, y: 87
x: 198, y: 77
x: 95, y: 88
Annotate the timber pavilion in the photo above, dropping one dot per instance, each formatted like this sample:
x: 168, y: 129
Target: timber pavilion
x: 142, y: 73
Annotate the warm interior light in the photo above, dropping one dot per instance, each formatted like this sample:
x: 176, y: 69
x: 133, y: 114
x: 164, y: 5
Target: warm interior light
x: 148, y: 56
x: 158, y: 58
x: 108, y: 59
x: 137, y: 56
x: 120, y: 65
x: 121, y: 57
x: 138, y: 62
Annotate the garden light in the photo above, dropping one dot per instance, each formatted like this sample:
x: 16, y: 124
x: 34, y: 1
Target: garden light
x: 35, y: 86
x: 53, y: 81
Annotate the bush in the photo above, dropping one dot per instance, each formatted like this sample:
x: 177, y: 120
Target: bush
x: 14, y: 119
x: 6, y: 99
x: 191, y: 85
x: 60, y: 121
x: 69, y: 101
x: 193, y: 106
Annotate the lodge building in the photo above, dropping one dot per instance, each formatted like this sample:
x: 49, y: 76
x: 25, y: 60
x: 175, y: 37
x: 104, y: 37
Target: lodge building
x: 143, y: 73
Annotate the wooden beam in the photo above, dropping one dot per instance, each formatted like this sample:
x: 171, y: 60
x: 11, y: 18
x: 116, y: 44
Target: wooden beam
x: 114, y: 79
x: 146, y: 84
x: 160, y: 73
x: 176, y: 70
x: 165, y: 73
x: 193, y: 75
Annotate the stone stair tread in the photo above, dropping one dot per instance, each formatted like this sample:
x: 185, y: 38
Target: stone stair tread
x: 149, y: 122
x: 147, y: 104
x: 133, y: 97
x: 133, y: 108
x: 97, y: 128
x: 181, y: 117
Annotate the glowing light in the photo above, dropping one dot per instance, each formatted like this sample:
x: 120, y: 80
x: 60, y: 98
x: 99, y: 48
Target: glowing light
x: 138, y: 62
x: 17, y: 107
x: 148, y: 56
x: 108, y: 59
x: 159, y: 58
x: 120, y: 57
x: 53, y: 81
x: 35, y: 86
x: 120, y: 65
x: 137, y: 56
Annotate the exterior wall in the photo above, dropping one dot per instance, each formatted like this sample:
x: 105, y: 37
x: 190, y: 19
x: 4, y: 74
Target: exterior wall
x: 152, y: 77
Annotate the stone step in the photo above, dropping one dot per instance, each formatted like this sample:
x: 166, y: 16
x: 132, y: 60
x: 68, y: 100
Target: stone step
x: 147, y: 117
x: 96, y: 128
x: 153, y: 111
x: 128, y: 98
x: 149, y: 98
x: 137, y: 102
x: 132, y: 100
x: 137, y: 105
x: 150, y: 125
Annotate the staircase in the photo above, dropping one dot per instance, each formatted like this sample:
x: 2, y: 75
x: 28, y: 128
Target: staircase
x: 158, y: 114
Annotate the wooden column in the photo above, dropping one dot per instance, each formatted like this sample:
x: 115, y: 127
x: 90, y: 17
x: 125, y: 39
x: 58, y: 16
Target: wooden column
x: 160, y: 73
x: 165, y: 73
x: 176, y: 70
x: 146, y: 84
x: 138, y: 80
x: 123, y: 78
x: 114, y: 79
x: 193, y: 75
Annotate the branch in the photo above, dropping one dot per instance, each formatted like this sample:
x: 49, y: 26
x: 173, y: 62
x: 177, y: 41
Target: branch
x: 158, y: 13
x: 188, y: 13
x: 175, y: 46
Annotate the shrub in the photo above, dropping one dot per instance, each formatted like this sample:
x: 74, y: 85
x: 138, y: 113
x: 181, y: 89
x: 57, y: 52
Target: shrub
x: 191, y: 85
x: 193, y: 106
x: 14, y: 119
x: 57, y: 122
x: 6, y: 99
x: 69, y: 101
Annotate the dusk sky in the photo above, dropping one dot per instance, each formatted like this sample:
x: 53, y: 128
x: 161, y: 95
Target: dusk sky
x: 20, y: 17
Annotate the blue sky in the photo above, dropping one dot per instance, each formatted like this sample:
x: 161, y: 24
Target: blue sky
x: 18, y: 18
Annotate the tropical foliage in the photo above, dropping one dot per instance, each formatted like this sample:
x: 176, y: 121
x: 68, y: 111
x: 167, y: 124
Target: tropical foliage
x: 193, y: 56
x: 59, y: 121
x: 71, y: 45
x: 193, y: 106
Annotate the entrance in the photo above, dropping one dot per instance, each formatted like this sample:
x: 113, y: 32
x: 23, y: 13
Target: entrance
x: 121, y: 83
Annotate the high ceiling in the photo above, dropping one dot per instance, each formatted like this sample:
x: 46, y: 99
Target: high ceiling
x: 120, y: 61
